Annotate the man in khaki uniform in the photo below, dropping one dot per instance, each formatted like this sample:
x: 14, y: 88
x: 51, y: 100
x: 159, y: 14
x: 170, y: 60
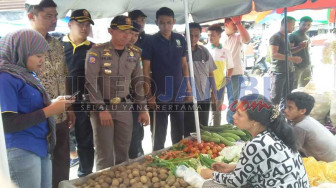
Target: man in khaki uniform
x: 110, y: 69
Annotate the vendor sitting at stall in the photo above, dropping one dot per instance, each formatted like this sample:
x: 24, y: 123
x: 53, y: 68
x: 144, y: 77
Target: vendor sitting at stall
x: 270, y: 159
x: 313, y: 139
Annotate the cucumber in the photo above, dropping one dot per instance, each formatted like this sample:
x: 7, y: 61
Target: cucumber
x: 229, y: 139
x: 222, y: 139
x: 205, y: 138
x: 225, y: 135
x: 236, y: 132
x: 207, y: 133
x: 215, y: 140
x: 216, y: 128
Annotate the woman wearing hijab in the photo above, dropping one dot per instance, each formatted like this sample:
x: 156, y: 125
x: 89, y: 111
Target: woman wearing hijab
x: 271, y: 158
x: 26, y: 109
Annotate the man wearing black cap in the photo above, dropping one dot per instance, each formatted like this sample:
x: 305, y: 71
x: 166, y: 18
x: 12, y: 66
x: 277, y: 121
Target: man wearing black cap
x: 139, y: 17
x: 110, y: 69
x: 75, y: 47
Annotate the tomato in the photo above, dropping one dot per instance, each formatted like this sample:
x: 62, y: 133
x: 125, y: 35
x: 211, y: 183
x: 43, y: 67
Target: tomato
x: 204, y: 151
x: 209, y: 152
x: 186, y: 149
x: 212, y: 143
x: 200, y: 146
x: 214, y: 150
x: 183, y: 141
x: 222, y: 145
x: 207, y: 147
x: 193, y: 149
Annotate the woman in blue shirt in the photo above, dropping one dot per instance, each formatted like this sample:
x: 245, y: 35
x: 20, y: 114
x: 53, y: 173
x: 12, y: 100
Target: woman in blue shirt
x: 26, y: 109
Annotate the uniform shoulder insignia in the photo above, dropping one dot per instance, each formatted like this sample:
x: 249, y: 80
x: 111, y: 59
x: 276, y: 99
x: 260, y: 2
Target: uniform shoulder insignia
x: 135, y: 48
x: 97, y: 45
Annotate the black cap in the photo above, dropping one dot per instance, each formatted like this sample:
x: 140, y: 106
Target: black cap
x: 136, y: 14
x: 122, y: 23
x: 136, y: 27
x: 81, y: 15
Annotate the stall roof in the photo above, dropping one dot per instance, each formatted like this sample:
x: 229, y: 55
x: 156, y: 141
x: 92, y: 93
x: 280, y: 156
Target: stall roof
x: 201, y: 10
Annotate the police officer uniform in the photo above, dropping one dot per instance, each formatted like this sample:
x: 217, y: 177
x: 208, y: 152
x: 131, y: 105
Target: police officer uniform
x: 109, y: 73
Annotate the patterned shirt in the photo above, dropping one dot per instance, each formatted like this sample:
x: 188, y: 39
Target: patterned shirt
x: 53, y: 72
x: 266, y: 162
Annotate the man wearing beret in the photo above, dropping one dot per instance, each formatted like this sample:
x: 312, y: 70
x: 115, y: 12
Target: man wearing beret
x: 76, y: 46
x: 110, y: 69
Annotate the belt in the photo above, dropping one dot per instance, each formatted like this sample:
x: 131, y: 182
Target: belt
x: 116, y: 100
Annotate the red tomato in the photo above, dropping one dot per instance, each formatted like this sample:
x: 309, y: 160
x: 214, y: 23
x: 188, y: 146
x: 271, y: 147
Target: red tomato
x: 204, y: 151
x: 222, y: 145
x: 214, y: 150
x: 186, y: 149
x: 209, y: 152
x: 207, y: 147
x: 212, y: 143
x: 200, y: 146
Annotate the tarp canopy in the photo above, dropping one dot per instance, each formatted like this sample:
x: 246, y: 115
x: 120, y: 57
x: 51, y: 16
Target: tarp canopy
x: 200, y: 10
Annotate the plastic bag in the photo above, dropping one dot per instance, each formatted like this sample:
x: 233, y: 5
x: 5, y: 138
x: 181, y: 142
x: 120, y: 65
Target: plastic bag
x: 319, y: 172
x: 190, y: 176
x: 322, y: 101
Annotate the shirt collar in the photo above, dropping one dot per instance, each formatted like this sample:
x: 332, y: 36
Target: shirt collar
x: 67, y: 39
x: 219, y: 47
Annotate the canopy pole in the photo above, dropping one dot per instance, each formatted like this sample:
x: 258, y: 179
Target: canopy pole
x: 287, y: 53
x: 191, y: 71
x: 3, y: 159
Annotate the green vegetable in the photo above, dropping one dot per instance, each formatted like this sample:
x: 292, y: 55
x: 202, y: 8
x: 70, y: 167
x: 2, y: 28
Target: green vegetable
x: 225, y: 135
x: 223, y: 140
x: 206, y: 133
x: 236, y: 132
x: 216, y: 128
x: 206, y: 161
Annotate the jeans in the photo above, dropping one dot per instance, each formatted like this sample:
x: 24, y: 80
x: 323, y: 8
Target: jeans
x: 233, y: 91
x: 28, y: 170
x: 278, y: 88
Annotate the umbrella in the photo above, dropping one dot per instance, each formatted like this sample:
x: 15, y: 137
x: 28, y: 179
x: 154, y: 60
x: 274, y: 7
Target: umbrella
x: 320, y: 4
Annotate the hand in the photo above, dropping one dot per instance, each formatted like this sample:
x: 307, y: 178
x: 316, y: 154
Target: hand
x: 303, y: 44
x: 188, y: 99
x: 223, y: 167
x: 296, y: 59
x: 71, y: 117
x: 57, y: 106
x: 152, y: 102
x: 206, y: 173
x: 143, y: 118
x: 105, y: 118
x: 236, y: 19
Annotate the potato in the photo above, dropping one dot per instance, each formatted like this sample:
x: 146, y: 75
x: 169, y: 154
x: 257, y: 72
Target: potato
x: 137, y: 179
x: 149, y: 169
x: 171, y: 180
x: 155, y: 180
x: 149, y: 175
x: 163, y: 171
x: 120, y: 180
x: 162, y: 183
x: 111, y: 174
x: 136, y: 173
x: 115, y: 182
x: 126, y: 182
x: 190, y: 186
x: 123, y: 175
x: 142, y: 173
x: 97, y: 186
x: 105, y: 185
x: 143, y: 179
x: 155, y: 174
x: 114, y: 186
x: 156, y: 185
x: 145, y: 186
x: 117, y: 174
x: 132, y: 181
x: 108, y: 180
x: 121, y: 168
x: 101, y: 180
x: 149, y: 184
x: 135, y: 164
x: 129, y: 167
x: 173, y: 186
x: 163, y: 176
x: 128, y: 171
x: 122, y: 186
x: 177, y: 184
x: 183, y: 183
x: 105, y: 172
x: 130, y: 176
x: 166, y: 186
x: 138, y: 185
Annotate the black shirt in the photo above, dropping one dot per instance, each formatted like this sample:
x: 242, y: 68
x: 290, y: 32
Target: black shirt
x: 278, y: 39
x: 142, y: 37
x: 75, y: 60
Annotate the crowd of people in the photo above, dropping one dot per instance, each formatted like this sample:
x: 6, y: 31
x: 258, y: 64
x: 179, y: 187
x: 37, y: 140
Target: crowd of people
x: 70, y: 98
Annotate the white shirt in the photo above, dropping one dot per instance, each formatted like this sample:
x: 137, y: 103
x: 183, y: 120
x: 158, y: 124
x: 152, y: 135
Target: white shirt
x: 234, y: 44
